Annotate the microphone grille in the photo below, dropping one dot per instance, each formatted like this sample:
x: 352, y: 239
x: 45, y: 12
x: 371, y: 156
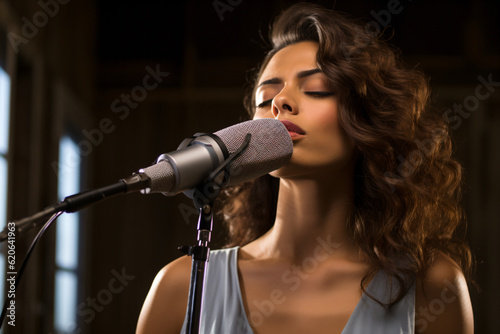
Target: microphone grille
x: 270, y: 148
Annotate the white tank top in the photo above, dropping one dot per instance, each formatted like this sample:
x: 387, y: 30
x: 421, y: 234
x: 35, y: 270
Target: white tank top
x: 223, y: 310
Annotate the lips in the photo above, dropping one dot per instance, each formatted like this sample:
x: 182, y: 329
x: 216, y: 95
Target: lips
x: 293, y: 128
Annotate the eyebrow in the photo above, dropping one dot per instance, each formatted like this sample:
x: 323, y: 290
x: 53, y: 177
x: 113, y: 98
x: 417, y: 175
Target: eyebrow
x: 300, y: 75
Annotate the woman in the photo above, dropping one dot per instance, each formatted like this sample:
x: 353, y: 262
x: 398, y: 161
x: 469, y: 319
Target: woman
x: 359, y: 237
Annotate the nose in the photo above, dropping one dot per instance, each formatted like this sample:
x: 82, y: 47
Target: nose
x: 283, y: 103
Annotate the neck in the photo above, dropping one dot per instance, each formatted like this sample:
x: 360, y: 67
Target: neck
x: 311, y: 212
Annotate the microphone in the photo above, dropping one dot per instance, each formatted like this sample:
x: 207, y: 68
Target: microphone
x: 270, y: 147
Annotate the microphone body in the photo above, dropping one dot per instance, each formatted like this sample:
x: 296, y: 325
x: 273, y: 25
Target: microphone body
x: 270, y: 148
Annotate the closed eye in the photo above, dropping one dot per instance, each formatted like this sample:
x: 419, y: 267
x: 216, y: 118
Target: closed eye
x: 319, y: 94
x: 265, y: 103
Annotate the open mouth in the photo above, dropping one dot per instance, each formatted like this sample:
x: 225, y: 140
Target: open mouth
x: 293, y: 129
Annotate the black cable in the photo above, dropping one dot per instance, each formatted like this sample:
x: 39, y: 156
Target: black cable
x: 25, y: 261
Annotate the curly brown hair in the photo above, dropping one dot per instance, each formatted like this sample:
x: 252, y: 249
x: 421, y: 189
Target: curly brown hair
x: 407, y: 185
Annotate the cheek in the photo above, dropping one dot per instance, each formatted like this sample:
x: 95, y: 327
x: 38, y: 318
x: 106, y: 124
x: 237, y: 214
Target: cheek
x: 331, y: 136
x: 326, y: 119
x: 263, y: 113
x: 328, y: 122
x: 258, y: 114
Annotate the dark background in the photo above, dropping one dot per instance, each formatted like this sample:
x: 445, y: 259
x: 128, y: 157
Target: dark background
x: 68, y: 76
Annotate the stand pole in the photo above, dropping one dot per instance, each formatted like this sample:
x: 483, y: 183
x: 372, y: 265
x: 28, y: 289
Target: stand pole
x: 200, y: 254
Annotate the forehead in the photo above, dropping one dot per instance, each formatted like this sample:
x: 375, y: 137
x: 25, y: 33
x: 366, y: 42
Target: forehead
x: 292, y: 58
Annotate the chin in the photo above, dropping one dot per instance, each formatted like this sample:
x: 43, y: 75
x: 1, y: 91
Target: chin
x: 294, y: 170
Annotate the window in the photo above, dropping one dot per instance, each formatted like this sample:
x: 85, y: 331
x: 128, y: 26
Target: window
x: 4, y: 149
x: 67, y: 245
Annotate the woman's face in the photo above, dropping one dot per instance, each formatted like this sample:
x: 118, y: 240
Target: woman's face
x: 293, y: 89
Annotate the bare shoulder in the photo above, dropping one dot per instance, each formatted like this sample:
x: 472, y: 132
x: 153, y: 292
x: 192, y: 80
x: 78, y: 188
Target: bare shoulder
x: 442, y: 300
x: 165, y: 305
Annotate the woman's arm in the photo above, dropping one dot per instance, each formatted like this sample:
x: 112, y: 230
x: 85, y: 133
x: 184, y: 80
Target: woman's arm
x: 165, y: 306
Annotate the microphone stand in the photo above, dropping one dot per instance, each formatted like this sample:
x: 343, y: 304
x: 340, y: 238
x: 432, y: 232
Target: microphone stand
x: 75, y: 203
x: 200, y: 256
x: 203, y: 197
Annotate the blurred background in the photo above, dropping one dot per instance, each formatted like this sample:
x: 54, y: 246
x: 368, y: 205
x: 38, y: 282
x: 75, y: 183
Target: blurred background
x: 93, y: 90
